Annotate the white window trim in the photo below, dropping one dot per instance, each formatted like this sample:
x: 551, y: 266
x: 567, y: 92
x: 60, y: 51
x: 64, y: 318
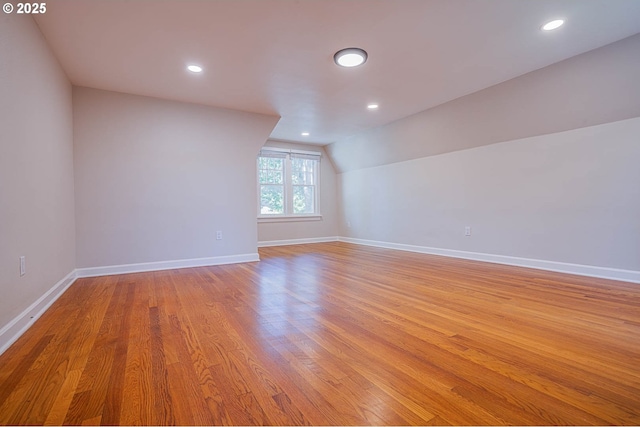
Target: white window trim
x: 287, y: 151
x: 288, y: 188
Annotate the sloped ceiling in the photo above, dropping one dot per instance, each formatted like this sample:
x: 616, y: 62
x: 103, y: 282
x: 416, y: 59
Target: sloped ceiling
x: 596, y: 87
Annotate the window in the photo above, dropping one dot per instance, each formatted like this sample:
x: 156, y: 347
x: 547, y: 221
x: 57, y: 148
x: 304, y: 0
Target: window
x: 288, y: 183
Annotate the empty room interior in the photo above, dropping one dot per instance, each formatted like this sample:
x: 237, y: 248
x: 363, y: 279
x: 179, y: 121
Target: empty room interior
x: 320, y: 212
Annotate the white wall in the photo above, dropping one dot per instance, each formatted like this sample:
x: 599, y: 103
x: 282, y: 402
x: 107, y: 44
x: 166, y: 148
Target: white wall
x: 36, y: 167
x: 327, y: 227
x: 155, y: 179
x: 571, y: 197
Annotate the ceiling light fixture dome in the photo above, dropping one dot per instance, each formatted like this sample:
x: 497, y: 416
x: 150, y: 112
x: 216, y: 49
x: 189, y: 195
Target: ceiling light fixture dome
x: 552, y: 25
x: 350, y: 57
x: 194, y: 68
x: 373, y: 106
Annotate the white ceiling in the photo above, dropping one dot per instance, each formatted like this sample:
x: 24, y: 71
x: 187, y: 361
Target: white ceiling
x: 276, y: 56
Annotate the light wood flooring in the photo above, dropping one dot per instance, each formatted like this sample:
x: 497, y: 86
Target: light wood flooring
x: 331, y: 334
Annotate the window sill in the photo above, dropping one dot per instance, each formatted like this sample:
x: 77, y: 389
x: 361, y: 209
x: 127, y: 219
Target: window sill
x: 289, y: 218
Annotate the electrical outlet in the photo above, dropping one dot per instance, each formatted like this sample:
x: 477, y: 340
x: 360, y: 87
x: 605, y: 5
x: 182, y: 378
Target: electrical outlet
x: 218, y: 235
x: 23, y: 267
x: 467, y: 231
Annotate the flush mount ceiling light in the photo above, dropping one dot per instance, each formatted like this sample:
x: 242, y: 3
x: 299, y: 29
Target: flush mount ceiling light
x: 350, y: 57
x: 373, y: 106
x: 305, y: 134
x: 552, y: 25
x: 194, y: 68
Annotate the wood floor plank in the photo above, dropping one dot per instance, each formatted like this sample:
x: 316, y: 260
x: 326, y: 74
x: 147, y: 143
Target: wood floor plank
x: 16, y: 375
x: 331, y: 334
x: 115, y: 386
x: 88, y: 401
x: 162, y: 400
x: 63, y: 400
x: 137, y: 408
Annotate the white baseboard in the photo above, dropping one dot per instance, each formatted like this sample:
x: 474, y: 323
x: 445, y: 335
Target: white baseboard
x: 19, y: 325
x: 297, y: 241
x: 166, y: 265
x: 561, y: 267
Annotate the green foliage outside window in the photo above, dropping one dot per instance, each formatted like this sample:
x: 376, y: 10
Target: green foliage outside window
x: 271, y: 177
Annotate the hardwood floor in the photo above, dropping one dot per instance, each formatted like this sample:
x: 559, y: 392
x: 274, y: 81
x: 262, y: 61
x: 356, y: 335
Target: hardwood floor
x: 333, y: 334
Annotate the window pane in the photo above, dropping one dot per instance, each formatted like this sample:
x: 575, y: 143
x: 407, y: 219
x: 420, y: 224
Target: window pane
x: 270, y: 170
x: 297, y: 177
x: 303, y: 171
x: 276, y: 163
x: 303, y: 199
x: 296, y: 171
x: 271, y: 199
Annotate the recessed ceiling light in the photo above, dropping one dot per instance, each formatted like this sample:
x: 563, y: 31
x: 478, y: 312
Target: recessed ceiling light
x: 552, y: 25
x: 305, y: 134
x: 194, y: 68
x: 373, y: 106
x: 350, y: 57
